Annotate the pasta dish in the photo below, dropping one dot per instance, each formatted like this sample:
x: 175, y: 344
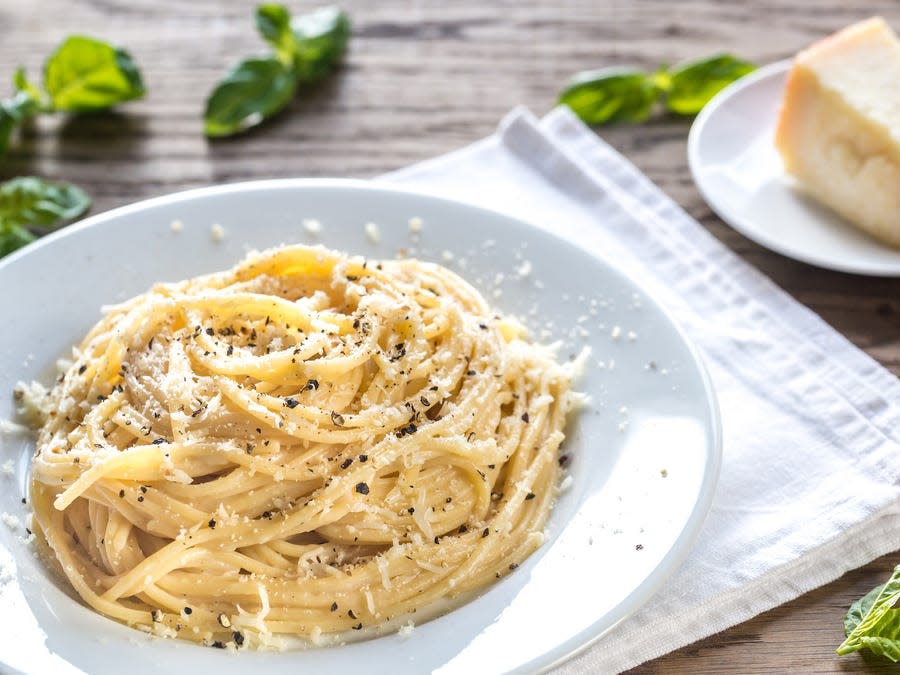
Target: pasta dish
x: 306, y: 444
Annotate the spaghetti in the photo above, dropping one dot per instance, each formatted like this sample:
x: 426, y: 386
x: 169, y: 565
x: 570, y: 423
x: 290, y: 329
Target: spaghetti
x: 306, y: 444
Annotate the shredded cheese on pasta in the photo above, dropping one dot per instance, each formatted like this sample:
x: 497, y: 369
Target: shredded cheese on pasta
x: 306, y: 444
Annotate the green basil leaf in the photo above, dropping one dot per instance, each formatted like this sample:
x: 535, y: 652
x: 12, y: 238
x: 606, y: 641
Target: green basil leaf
x: 321, y: 39
x: 889, y: 647
x: 14, y: 111
x: 31, y: 206
x: 859, y: 609
x: 253, y: 91
x: 877, y: 627
x: 85, y: 75
x: 693, y: 84
x: 33, y: 202
x: 610, y: 95
x: 274, y: 24
x: 13, y: 237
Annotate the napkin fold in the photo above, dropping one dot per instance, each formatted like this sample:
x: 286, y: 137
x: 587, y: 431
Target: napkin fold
x: 810, y: 479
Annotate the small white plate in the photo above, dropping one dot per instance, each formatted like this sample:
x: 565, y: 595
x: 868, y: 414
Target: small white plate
x: 739, y: 172
x: 645, y: 453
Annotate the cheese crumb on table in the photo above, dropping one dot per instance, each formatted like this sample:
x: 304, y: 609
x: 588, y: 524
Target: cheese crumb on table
x: 839, y: 127
x: 372, y: 232
x: 218, y: 232
x: 415, y: 224
x: 176, y: 226
x: 312, y: 225
x: 11, y: 521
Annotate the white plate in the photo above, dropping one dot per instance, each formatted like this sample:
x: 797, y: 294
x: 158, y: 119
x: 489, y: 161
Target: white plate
x: 733, y: 159
x: 613, y: 537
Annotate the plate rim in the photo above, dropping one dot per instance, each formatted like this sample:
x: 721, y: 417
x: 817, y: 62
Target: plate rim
x: 742, y: 224
x: 692, y: 526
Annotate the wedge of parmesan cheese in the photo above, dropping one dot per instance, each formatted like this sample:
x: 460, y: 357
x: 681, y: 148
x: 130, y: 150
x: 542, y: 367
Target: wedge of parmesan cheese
x: 839, y: 128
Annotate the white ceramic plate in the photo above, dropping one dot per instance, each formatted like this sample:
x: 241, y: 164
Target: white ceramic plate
x: 645, y: 453
x: 733, y: 159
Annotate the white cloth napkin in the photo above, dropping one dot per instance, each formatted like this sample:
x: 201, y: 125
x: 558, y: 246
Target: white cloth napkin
x: 809, y: 485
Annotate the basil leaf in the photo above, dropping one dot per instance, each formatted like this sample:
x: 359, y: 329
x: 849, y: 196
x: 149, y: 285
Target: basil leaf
x: 321, y: 39
x: 13, y: 237
x: 14, y: 111
x: 874, y: 622
x: 610, y: 95
x: 859, y: 609
x: 692, y: 85
x: 23, y: 85
x: 85, y: 75
x: 30, y: 203
x: 274, y: 23
x: 253, y: 91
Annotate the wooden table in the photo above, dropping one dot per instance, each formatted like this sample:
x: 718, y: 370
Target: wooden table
x: 424, y: 77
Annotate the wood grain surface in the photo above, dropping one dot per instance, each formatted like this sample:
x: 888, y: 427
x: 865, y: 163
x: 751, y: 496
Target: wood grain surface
x: 426, y: 77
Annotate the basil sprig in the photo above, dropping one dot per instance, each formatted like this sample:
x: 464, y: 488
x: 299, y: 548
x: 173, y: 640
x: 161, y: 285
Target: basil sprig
x: 307, y: 48
x: 873, y: 623
x: 30, y: 207
x: 82, y: 75
x: 630, y: 95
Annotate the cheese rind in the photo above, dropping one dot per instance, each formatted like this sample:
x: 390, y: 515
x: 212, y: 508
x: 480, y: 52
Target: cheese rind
x: 839, y: 128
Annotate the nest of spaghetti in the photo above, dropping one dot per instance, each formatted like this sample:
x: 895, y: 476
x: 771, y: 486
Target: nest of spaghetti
x: 303, y: 445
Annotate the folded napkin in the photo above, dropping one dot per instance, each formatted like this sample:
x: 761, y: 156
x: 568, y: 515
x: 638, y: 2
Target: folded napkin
x: 810, y: 478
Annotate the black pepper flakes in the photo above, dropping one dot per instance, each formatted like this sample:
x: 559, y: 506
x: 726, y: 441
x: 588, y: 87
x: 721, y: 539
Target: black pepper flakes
x: 463, y: 529
x: 362, y: 488
x: 363, y: 458
x: 188, y: 611
x: 563, y: 460
x: 140, y: 498
x: 470, y: 373
x: 639, y: 547
x: 351, y: 614
x: 159, y: 441
x: 210, y: 332
x: 230, y: 350
x: 485, y: 533
x: 513, y: 566
x: 529, y: 496
x: 525, y: 418
x: 347, y: 462
x: 291, y: 402
x: 238, y: 638
x: 311, y: 385
x: 212, y: 523
x: 337, y: 419
x: 357, y: 626
x: 334, y: 606
x: 156, y: 615
x: 121, y: 493
x: 218, y: 644
x: 84, y: 368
